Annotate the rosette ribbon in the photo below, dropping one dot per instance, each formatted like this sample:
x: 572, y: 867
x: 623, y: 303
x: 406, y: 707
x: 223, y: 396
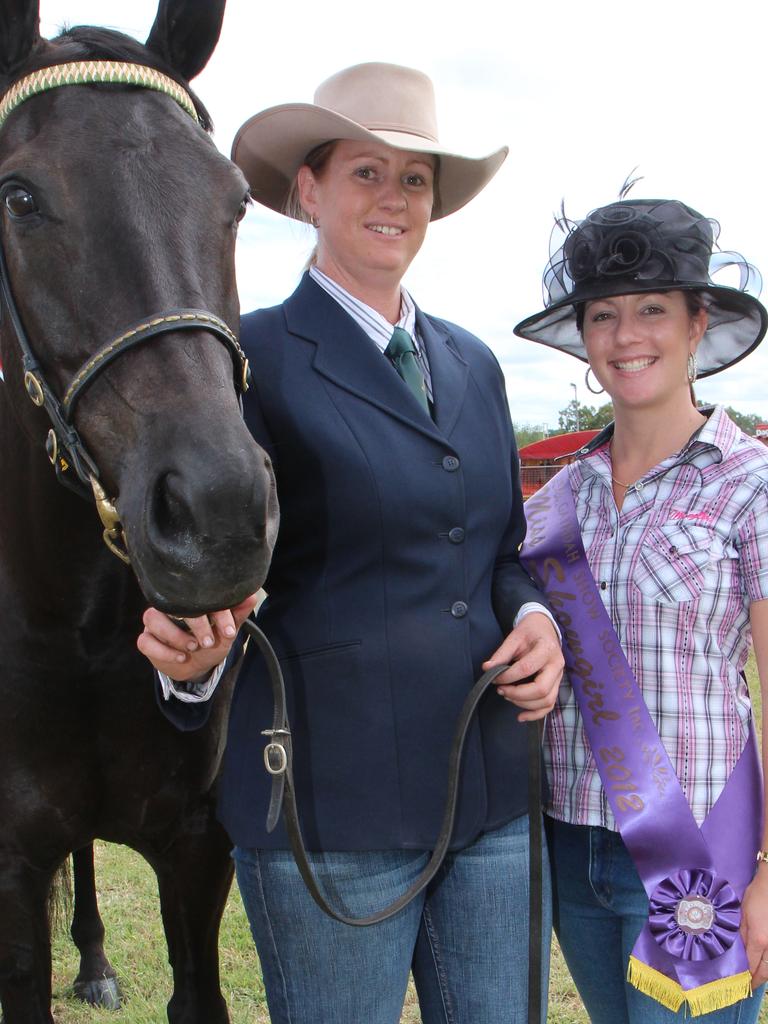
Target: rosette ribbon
x: 694, y: 915
x: 689, y: 950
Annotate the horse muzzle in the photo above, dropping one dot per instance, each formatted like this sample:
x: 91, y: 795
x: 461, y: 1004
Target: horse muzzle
x: 199, y: 512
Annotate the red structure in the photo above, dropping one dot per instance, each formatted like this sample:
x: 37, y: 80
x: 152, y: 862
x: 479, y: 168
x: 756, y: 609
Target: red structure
x: 540, y: 460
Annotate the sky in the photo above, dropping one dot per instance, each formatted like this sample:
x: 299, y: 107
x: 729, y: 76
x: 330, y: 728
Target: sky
x: 582, y: 92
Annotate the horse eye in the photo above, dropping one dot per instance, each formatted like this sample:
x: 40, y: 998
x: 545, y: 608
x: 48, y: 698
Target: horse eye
x: 243, y: 209
x: 19, y: 202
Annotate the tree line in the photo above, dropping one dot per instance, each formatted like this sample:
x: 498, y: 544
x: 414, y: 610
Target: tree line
x: 576, y: 416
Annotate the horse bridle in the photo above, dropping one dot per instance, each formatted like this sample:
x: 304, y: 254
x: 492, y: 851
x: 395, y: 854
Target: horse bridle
x: 64, y: 445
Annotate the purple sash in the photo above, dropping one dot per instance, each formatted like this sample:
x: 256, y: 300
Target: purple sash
x: 690, y: 949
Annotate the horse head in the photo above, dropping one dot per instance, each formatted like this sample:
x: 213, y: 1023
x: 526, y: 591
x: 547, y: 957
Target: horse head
x: 118, y: 219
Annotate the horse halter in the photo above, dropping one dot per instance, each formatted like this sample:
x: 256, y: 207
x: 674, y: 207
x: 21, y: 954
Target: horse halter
x: 64, y: 446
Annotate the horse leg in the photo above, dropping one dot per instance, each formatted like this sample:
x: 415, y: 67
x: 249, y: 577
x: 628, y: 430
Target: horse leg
x: 25, y: 944
x: 194, y: 877
x: 96, y: 982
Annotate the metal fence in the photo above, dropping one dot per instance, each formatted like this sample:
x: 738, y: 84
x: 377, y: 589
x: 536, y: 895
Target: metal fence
x: 534, y: 477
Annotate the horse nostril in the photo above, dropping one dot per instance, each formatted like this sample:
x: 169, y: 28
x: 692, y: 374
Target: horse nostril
x: 170, y: 510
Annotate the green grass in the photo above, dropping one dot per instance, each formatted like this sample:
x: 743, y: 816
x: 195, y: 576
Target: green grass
x: 135, y: 945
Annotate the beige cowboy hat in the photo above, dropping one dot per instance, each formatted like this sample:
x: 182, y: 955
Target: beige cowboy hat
x: 377, y: 102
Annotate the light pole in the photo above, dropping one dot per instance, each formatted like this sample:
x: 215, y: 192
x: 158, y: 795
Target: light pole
x: 576, y: 405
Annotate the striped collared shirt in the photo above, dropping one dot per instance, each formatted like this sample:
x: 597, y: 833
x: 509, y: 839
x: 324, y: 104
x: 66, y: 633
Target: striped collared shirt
x: 676, y: 569
x: 377, y: 327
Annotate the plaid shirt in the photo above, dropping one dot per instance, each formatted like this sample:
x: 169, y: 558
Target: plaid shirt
x: 676, y: 569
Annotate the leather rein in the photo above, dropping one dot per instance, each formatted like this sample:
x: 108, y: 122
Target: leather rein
x: 278, y: 760
x: 64, y: 446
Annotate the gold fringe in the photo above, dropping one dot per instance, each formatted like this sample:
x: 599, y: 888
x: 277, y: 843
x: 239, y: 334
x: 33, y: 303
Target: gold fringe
x: 717, y: 994
x: 655, y: 984
x: 703, y: 999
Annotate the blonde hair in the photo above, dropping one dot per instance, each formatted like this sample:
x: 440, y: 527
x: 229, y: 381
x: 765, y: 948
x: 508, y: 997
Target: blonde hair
x: 316, y: 160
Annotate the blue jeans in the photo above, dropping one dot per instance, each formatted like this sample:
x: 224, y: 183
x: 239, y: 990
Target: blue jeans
x: 600, y: 906
x: 466, y: 939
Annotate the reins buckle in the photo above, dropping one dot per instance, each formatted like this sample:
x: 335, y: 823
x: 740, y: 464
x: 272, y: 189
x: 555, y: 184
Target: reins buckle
x: 275, y: 754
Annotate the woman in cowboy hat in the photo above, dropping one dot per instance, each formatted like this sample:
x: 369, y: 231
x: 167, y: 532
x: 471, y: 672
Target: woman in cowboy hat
x: 655, y: 802
x: 395, y: 577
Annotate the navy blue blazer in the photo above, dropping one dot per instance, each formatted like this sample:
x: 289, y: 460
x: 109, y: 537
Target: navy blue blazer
x: 395, y: 575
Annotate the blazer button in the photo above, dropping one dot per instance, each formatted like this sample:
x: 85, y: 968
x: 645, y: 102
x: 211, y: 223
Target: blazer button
x: 451, y: 463
x: 459, y: 609
x: 456, y: 535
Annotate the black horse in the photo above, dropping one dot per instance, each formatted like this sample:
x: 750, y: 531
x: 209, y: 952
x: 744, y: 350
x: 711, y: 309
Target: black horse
x: 117, y: 222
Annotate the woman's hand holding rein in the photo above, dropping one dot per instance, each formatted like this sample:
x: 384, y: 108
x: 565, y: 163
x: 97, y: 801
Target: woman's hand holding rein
x: 533, y: 651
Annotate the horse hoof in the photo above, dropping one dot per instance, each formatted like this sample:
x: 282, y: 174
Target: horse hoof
x: 104, y: 992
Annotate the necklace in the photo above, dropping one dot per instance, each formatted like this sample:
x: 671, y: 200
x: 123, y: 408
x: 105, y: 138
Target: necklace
x: 619, y: 483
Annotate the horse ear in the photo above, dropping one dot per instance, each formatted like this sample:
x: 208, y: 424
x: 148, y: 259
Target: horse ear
x: 19, y: 31
x: 185, y: 33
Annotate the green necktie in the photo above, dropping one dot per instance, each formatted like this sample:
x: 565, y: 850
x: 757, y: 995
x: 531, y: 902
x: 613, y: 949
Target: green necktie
x: 402, y: 353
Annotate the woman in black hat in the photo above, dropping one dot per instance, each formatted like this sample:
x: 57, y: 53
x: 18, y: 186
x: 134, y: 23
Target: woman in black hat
x: 653, y: 546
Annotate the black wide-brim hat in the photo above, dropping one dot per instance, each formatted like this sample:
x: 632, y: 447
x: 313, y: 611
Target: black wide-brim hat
x: 648, y: 245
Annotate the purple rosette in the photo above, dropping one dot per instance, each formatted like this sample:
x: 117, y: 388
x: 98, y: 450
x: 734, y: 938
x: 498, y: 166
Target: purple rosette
x: 694, y: 915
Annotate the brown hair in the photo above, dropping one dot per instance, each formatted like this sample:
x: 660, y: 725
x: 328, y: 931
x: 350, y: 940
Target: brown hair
x: 696, y: 302
x: 316, y: 160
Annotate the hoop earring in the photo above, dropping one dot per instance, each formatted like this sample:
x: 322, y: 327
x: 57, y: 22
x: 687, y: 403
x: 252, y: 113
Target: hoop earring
x: 594, y: 391
x: 692, y: 368
x: 314, y: 221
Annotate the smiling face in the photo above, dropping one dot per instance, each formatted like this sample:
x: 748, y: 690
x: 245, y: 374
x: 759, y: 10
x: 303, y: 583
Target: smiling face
x: 371, y: 204
x: 638, y: 347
